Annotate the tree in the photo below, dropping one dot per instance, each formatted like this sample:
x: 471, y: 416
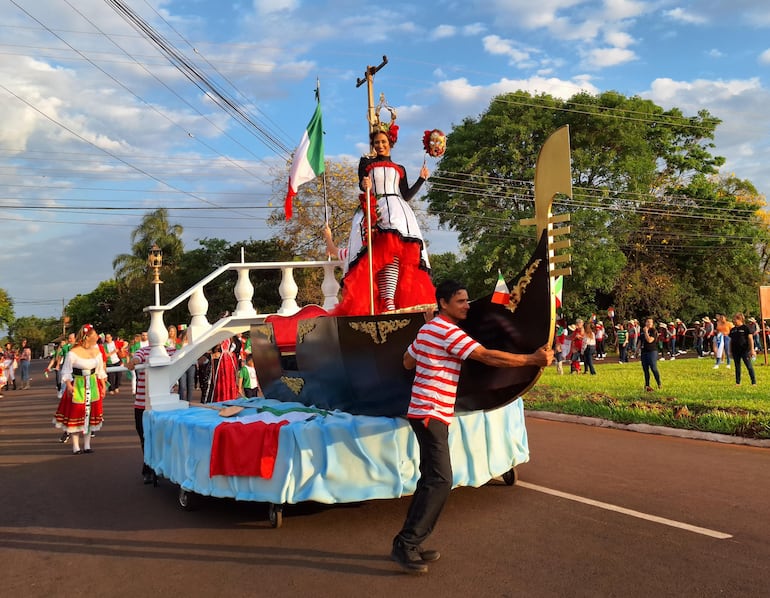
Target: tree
x: 642, y: 178
x: 6, y: 308
x: 37, y: 331
x: 213, y: 253
x: 302, y: 234
x: 153, y: 229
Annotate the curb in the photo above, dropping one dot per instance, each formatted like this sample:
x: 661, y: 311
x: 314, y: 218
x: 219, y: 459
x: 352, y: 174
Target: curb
x: 648, y: 429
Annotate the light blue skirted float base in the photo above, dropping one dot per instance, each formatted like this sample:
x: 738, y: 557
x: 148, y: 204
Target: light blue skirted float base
x: 332, y: 458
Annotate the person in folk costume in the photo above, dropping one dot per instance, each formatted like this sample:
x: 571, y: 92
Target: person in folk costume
x: 222, y: 384
x: 708, y: 335
x: 723, y: 326
x: 400, y: 265
x: 9, y: 365
x: 681, y: 334
x: 83, y: 375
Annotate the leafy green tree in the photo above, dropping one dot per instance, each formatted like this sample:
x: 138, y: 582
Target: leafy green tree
x: 337, y: 200
x: 303, y: 232
x: 648, y: 216
x: 108, y: 310
x: 213, y: 253
x: 6, y: 308
x: 154, y: 228
x: 37, y: 331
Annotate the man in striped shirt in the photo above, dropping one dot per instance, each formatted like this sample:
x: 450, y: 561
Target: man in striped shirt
x: 437, y: 355
x: 140, y: 400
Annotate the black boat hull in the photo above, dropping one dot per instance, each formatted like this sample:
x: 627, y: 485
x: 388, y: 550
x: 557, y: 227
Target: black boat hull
x: 355, y: 363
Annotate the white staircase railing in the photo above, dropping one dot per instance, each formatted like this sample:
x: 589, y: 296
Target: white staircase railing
x: 163, y: 371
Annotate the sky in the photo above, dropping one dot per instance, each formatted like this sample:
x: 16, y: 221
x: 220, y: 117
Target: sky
x: 98, y: 127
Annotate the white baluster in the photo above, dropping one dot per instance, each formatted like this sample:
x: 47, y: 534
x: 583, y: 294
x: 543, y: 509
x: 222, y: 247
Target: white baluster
x: 330, y: 287
x: 244, y: 293
x: 157, y: 334
x: 288, y: 291
x: 197, y: 305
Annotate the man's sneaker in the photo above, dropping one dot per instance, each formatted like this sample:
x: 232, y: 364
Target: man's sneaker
x: 408, y: 558
x: 428, y: 556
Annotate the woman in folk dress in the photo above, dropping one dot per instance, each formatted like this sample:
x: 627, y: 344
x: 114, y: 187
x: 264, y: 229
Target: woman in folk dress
x: 83, y: 375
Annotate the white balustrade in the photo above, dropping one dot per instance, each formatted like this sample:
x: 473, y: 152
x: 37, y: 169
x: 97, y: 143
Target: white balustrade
x: 198, y: 306
x: 162, y: 370
x: 244, y: 293
x: 288, y: 291
x: 157, y: 334
x: 330, y: 287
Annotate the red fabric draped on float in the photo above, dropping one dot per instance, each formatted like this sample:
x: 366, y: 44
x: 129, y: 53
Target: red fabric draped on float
x: 245, y: 449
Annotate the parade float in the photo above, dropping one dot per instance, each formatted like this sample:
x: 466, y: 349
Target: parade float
x: 333, y: 429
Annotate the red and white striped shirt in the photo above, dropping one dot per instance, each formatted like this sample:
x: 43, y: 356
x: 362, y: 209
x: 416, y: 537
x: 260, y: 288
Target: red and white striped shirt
x: 439, y: 349
x: 141, y: 356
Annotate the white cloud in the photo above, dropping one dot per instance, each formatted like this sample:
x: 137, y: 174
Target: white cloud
x: 684, y: 16
x: 741, y: 105
x: 474, y: 29
x: 504, y: 47
x: 714, y: 53
x: 619, y: 39
x: 268, y: 7
x: 619, y: 10
x: 528, y: 14
x: 606, y: 57
x: 764, y: 57
x: 443, y: 32
x: 460, y: 93
x: 582, y: 20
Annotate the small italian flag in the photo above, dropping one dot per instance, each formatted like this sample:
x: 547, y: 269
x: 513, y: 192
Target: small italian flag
x: 502, y: 295
x: 308, y: 161
x: 558, y: 285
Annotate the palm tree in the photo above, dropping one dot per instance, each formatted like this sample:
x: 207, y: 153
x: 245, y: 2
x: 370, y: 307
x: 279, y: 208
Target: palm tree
x: 153, y: 229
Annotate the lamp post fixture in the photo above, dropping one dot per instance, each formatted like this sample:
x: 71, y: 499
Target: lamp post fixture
x: 155, y: 261
x: 157, y: 332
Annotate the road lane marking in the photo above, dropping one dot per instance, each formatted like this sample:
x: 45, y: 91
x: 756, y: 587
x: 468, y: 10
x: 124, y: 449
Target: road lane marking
x: 603, y: 505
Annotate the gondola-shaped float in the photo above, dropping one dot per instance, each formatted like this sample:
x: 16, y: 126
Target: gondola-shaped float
x: 331, y: 431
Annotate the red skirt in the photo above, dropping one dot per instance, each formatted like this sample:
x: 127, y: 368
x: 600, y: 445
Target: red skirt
x: 71, y: 417
x: 414, y: 284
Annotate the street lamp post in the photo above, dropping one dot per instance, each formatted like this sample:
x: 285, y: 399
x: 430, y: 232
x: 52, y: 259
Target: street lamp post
x: 157, y: 333
x: 155, y: 261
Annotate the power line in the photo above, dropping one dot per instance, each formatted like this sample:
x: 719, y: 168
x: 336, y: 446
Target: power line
x: 200, y: 80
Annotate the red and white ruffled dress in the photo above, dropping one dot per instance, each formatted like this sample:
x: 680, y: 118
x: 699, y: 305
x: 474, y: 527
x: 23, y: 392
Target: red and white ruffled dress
x: 81, y: 411
x: 396, y: 235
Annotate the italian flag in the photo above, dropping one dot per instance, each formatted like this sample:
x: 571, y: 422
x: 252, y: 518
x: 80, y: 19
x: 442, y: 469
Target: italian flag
x: 502, y: 295
x: 308, y: 161
x: 558, y: 285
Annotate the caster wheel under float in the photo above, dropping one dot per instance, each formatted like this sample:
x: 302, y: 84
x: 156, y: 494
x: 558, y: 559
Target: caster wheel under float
x: 510, y: 477
x: 185, y: 499
x: 275, y: 513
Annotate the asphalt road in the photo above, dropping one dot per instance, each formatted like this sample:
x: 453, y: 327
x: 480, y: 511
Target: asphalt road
x: 86, y: 525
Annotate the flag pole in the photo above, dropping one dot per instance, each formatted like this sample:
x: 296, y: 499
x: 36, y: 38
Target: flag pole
x: 373, y: 121
x: 326, y: 200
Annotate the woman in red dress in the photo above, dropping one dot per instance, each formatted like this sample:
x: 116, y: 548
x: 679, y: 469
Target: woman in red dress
x: 83, y: 374
x: 400, y: 265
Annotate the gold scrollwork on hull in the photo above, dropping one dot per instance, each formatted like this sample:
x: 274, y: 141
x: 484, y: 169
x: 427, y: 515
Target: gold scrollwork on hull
x: 379, y: 331
x: 521, y: 286
x: 294, y: 384
x: 305, y: 327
